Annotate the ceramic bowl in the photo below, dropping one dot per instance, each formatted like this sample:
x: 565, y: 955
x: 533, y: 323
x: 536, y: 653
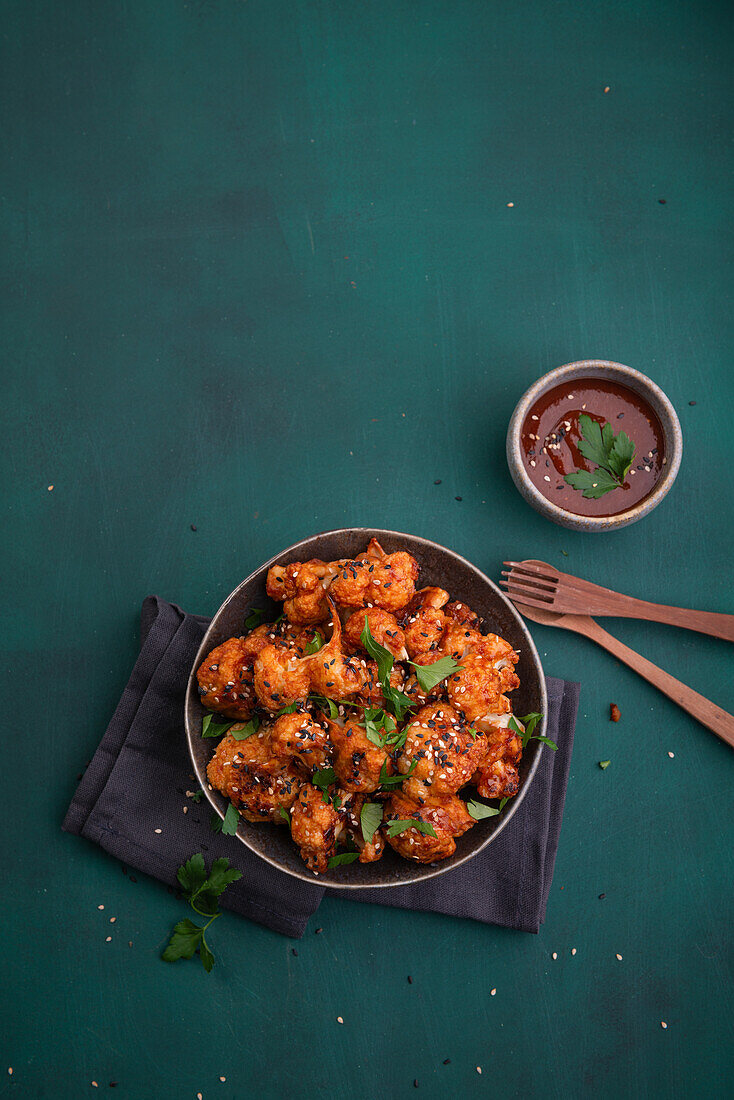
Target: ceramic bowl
x: 625, y: 376
x: 439, y: 566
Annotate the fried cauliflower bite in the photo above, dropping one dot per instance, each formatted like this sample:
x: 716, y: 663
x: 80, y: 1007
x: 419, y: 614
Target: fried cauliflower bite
x: 462, y: 614
x: 333, y: 673
x: 302, y: 586
x: 315, y: 827
x: 458, y: 639
x: 487, y: 670
x: 281, y: 678
x: 423, y: 620
x: 448, y: 816
x: 383, y: 628
x: 226, y: 680
x: 298, y: 735
x: 388, y: 582
x: 442, y: 751
x: 357, y: 762
x: 350, y: 811
x: 371, y: 693
x: 253, y: 777
x: 498, y: 776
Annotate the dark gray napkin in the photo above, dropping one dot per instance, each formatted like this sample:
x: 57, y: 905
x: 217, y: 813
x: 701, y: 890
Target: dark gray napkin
x: 130, y: 801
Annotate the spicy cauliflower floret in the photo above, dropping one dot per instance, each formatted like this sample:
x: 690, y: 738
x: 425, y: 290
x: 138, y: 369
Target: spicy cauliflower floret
x: 315, y: 827
x: 281, y: 678
x: 357, y: 761
x: 371, y: 693
x: 299, y: 735
x: 369, y: 851
x: 462, y: 614
x: 448, y: 816
x: 458, y: 639
x: 226, y: 681
x: 253, y: 777
x: 442, y: 751
x: 333, y: 673
x: 301, y: 586
x: 423, y: 620
x: 414, y: 691
x: 498, y: 776
x: 383, y: 628
x: 388, y: 583
x: 487, y: 670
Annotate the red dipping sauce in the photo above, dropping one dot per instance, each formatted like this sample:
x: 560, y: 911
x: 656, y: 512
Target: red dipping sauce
x: 551, y: 434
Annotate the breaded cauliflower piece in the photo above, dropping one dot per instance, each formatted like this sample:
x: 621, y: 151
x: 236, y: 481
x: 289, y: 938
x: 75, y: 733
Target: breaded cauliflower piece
x: 458, y: 639
x: 423, y: 620
x: 299, y: 735
x: 332, y: 673
x: 461, y: 614
x: 388, y: 583
x: 357, y: 762
x: 448, y: 816
x: 442, y: 751
x: 302, y: 587
x: 383, y: 628
x: 487, y: 671
x: 253, y: 777
x: 226, y: 681
x: 281, y: 678
x: 369, y: 852
x: 498, y: 776
x: 315, y: 827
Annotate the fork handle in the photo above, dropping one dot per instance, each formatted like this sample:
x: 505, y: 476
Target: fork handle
x: 705, y: 622
x: 714, y: 718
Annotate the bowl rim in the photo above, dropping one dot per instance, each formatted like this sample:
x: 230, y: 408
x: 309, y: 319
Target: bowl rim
x: 641, y: 384
x: 309, y: 876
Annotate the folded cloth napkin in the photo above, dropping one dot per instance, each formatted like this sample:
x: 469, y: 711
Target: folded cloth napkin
x: 130, y: 801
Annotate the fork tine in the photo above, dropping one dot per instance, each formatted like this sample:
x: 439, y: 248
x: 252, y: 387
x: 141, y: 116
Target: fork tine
x: 531, y: 570
x: 522, y: 598
x: 535, y: 583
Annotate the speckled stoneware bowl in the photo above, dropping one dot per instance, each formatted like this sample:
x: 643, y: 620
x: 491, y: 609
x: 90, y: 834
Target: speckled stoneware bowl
x: 625, y: 376
x: 438, y: 566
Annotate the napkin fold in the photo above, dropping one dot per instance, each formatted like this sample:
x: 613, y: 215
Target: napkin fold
x: 132, y: 796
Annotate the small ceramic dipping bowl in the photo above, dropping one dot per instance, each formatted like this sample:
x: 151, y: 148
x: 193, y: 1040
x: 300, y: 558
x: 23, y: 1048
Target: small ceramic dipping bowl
x: 622, y: 376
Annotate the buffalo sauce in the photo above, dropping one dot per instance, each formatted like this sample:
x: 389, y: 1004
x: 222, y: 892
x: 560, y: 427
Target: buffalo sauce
x: 551, y: 434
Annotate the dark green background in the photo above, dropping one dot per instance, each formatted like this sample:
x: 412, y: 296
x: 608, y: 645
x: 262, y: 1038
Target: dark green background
x: 260, y: 275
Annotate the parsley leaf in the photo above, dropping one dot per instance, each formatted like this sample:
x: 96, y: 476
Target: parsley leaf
x: 378, y: 725
x: 386, y: 781
x: 612, y: 454
x: 604, y: 764
x: 343, y: 857
x: 430, y: 675
x: 322, y: 779
x: 530, y: 721
x: 325, y: 704
x: 255, y: 618
x: 370, y: 818
x: 201, y: 892
x: 214, y: 729
x: 398, y: 700
x: 479, y: 811
x: 215, y: 823
x: 285, y: 815
x: 594, y: 483
x: 395, y: 828
x: 231, y: 818
x: 502, y: 802
x: 290, y: 709
x: 384, y: 657
x: 197, y: 796
x: 315, y: 644
x: 241, y: 731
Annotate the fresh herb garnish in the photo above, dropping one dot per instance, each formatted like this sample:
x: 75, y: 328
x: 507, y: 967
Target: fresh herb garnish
x: 430, y: 675
x: 503, y: 801
x: 231, y: 820
x: 197, y: 796
x: 530, y: 721
x: 397, y: 827
x: 386, y: 781
x: 604, y: 764
x: 285, y: 815
x: 215, y: 823
x: 343, y: 857
x: 398, y: 701
x: 290, y: 709
x: 315, y: 644
x: 202, y: 893
x: 241, y: 731
x: 612, y: 454
x: 255, y: 618
x: 369, y: 819
x: 325, y: 704
x: 479, y: 811
x: 322, y: 779
x: 214, y: 729
x: 378, y: 725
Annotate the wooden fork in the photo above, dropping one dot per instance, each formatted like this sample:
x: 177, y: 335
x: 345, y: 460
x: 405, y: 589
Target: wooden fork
x: 537, y: 584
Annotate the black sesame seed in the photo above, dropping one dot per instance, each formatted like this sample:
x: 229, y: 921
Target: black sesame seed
x: 319, y: 930
x: 410, y: 980
x: 602, y: 896
x: 691, y: 402
x: 437, y: 482
x: 447, y: 1061
x: 193, y: 526
x: 415, y: 1083
x: 620, y: 416
x: 662, y: 202
x: 458, y: 498
x: 293, y: 951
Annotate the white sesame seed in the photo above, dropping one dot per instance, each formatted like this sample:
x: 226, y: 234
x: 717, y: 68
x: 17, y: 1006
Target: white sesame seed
x: 492, y: 992
x: 554, y: 955
x: 663, y: 1024
x: 665, y: 462
x: 95, y: 1085
x: 546, y: 478
x: 632, y: 472
x: 479, y: 1069
x: 510, y: 204
x: 339, y: 1020
x: 157, y: 830
x: 222, y: 1079
x: 108, y: 939
x: 50, y: 488
x: 185, y: 809
x: 570, y: 397
x: 532, y: 461
x: 100, y: 906
x: 619, y: 957
x: 573, y: 950
x: 532, y: 418
x: 10, y: 1070
x: 112, y: 920
x: 671, y: 755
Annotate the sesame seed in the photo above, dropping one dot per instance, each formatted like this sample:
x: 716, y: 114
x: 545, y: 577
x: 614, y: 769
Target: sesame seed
x: 554, y: 955
x: 510, y: 204
x: 479, y: 1069
x: 546, y: 478
x: 50, y: 488
x: 573, y: 950
x: 619, y: 957
x: 157, y: 830
x: 100, y: 906
x: 112, y: 920
x: 339, y: 1020
x: 108, y: 939
x: 671, y: 755
x: 492, y: 992
x: 663, y: 1024
x: 10, y: 1070
x: 222, y: 1079
x: 95, y: 1085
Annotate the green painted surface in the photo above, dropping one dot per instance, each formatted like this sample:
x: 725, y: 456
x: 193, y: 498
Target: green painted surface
x: 260, y: 275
